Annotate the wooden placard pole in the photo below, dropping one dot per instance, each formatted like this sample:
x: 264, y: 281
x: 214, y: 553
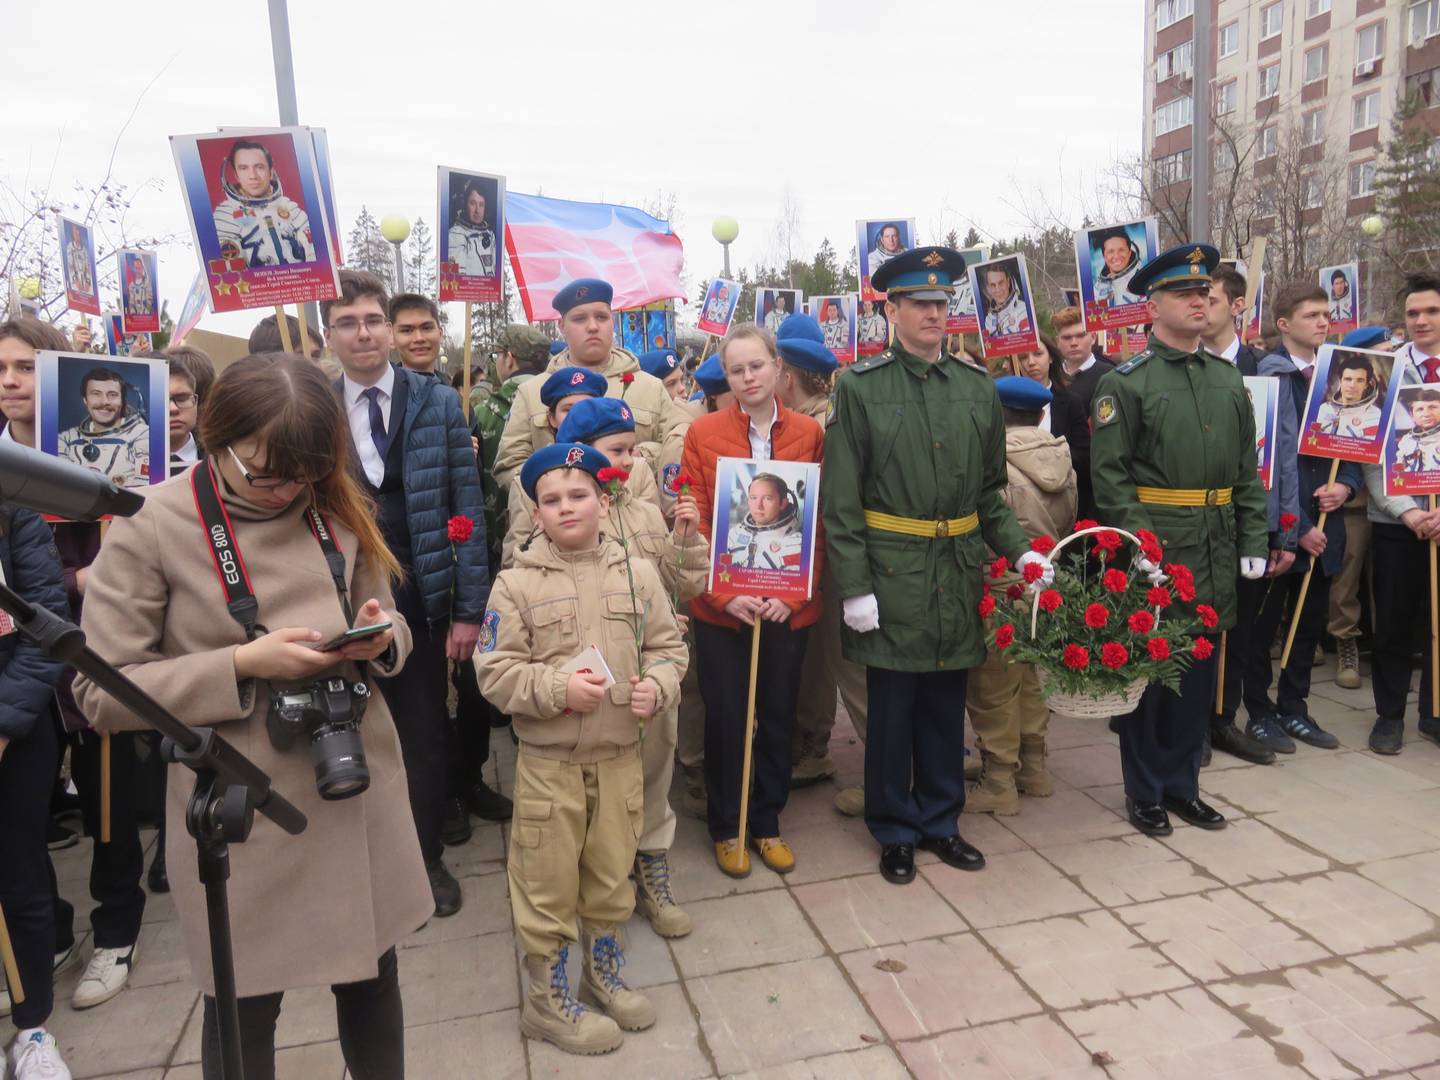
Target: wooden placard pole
x: 1434, y: 629
x: 7, y: 957
x: 104, y: 756
x: 1305, y: 584
x: 1254, y: 269
x: 749, y: 730
x: 304, y: 331
x: 1220, y: 674
x: 469, y: 343
x: 282, y: 323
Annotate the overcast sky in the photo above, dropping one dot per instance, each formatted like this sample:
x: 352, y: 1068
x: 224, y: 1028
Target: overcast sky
x: 949, y: 112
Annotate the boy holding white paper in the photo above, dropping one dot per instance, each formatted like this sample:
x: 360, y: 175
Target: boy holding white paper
x: 579, y: 788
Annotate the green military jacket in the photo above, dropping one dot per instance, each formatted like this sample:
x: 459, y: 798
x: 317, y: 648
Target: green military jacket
x: 916, y: 440
x: 1171, y: 419
x: 490, y: 416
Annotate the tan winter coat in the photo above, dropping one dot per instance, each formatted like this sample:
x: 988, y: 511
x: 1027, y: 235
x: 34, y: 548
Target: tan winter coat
x: 1041, y: 488
x: 548, y: 607
x: 684, y: 565
x: 307, y: 910
x: 656, y: 416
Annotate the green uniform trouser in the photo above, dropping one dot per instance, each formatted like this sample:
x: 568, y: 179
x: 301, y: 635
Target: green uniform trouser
x: 1004, y: 703
x: 824, y: 673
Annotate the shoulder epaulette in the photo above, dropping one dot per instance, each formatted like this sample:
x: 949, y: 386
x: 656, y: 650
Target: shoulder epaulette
x: 870, y: 363
x: 1134, y: 362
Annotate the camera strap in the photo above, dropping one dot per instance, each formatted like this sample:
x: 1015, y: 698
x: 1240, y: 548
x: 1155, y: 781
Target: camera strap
x: 230, y: 564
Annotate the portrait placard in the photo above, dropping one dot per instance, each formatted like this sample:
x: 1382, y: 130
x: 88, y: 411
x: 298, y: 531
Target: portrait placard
x: 472, y: 218
x: 763, y: 532
x: 1264, y: 393
x: 118, y: 341
x: 1412, y: 445
x: 960, y: 317
x: 77, y: 266
x: 1004, y: 306
x: 1106, y: 258
x: 1348, y: 410
x: 774, y: 305
x: 1342, y: 292
x: 837, y: 316
x: 718, y: 309
x: 877, y: 241
x: 139, y: 294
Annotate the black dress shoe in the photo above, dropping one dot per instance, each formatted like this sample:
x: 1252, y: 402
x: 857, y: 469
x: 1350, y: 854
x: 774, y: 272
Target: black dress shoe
x: 1232, y: 740
x: 445, y: 889
x: 488, y: 804
x: 1386, y: 737
x: 455, y: 826
x: 1196, y: 813
x: 158, y: 879
x: 1150, y: 818
x: 954, y: 852
x: 897, y: 863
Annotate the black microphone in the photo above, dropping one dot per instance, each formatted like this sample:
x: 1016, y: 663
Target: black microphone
x: 48, y: 485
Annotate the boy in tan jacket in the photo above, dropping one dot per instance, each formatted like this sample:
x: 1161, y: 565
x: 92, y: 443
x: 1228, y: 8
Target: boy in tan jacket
x: 579, y: 790
x: 1007, y: 710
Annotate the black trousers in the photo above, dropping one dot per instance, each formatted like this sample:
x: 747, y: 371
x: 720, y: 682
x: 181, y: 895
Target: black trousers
x: 27, y: 880
x: 472, y: 728
x: 116, y: 867
x: 1265, y: 607
x: 1162, y: 739
x: 416, y: 696
x: 1400, y: 577
x: 371, y: 1018
x: 722, y: 660
x: 914, y: 754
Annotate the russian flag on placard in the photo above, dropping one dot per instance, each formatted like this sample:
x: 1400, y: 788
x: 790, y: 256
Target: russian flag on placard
x: 194, y: 309
x: 551, y: 242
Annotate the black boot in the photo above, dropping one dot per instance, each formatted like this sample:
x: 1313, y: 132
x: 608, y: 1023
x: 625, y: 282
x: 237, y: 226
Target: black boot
x: 487, y: 803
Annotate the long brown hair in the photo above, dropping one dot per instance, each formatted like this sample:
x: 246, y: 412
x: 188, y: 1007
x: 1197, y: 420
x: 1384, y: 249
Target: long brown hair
x: 285, y: 400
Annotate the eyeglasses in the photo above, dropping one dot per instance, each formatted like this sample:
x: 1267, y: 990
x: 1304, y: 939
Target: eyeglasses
x: 262, y: 483
x: 372, y: 323
x: 184, y: 401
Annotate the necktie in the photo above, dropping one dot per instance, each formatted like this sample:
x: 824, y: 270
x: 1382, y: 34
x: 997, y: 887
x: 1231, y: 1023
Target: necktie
x: 1308, y: 372
x: 1432, y: 369
x: 178, y: 465
x: 377, y: 419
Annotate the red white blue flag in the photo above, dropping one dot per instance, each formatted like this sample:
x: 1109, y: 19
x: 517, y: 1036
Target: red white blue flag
x: 551, y: 242
x: 194, y: 309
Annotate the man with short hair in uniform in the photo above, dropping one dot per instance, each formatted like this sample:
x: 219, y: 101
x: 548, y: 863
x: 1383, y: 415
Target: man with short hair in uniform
x: 911, y: 496
x: 256, y: 220
x: 1173, y: 452
x: 113, y: 439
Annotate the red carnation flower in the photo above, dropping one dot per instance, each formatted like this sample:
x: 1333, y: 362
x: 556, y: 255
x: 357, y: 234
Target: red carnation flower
x: 1158, y: 596
x: 1185, y: 590
x: 627, y: 378
x: 1033, y: 572
x: 986, y: 606
x: 999, y: 566
x: 1115, y: 581
x: 1114, y: 655
x: 1096, y: 616
x: 1076, y: 657
x: 1287, y: 522
x: 1150, y: 546
x: 1142, y: 622
x: 1158, y: 648
x: 1016, y: 591
x: 1109, y: 540
x: 1042, y: 545
x: 1005, y: 636
x: 1085, y: 523
x: 683, y: 482
x: 1209, y: 618
x: 612, y: 473
x: 1050, y: 600
x: 460, y: 528
x: 1202, y: 648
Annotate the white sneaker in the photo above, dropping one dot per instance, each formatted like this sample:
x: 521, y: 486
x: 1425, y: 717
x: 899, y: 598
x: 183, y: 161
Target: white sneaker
x: 106, y: 976
x: 64, y: 961
x: 34, y: 1056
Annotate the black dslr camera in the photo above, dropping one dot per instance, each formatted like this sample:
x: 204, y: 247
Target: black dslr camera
x: 329, y: 711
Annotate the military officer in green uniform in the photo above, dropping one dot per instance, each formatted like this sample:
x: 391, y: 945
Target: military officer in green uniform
x: 1173, y: 451
x: 520, y: 352
x: 911, y: 494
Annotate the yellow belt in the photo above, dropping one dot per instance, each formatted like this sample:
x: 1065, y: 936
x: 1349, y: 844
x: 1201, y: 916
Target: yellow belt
x: 922, y: 526
x: 1184, y: 496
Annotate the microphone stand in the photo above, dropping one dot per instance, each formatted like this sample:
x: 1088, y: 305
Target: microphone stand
x: 229, y: 788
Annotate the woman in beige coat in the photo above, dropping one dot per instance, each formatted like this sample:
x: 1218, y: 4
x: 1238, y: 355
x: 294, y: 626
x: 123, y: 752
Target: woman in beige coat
x: 330, y: 905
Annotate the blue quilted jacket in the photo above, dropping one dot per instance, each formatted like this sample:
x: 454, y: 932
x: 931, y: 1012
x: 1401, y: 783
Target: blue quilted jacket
x: 32, y: 569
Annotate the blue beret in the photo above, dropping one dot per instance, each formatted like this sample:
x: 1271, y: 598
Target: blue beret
x: 659, y: 362
x: 561, y: 456
x: 571, y: 380
x: 710, y: 376
x: 923, y: 273
x: 594, y: 418
x: 807, y: 354
x: 1017, y: 392
x: 556, y: 348
x: 586, y: 290
x: 800, y: 328
x: 1364, y: 337
x: 1182, y: 267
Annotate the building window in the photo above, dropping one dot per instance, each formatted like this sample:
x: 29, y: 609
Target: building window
x: 1177, y: 61
x: 1268, y: 143
x: 1312, y: 127
x: 1172, y: 169
x: 1424, y: 21
x: 1365, y: 113
x: 1426, y: 86
x: 1265, y: 202
x: 1362, y: 179
x: 1172, y: 11
x: 1317, y: 64
x: 1269, y: 82
x: 1310, y: 191
x: 1316, y: 7
x: 1271, y: 18
x: 1230, y: 39
x: 1172, y: 116
x: 1224, y: 157
x: 1369, y: 43
x: 1225, y: 97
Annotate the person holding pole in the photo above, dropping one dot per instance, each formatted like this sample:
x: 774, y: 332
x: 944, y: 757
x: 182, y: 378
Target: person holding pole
x: 911, y: 495
x: 728, y: 631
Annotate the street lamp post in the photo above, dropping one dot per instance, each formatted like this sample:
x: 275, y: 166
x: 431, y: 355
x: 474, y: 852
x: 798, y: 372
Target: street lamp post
x: 395, y: 228
x: 725, y: 230
x: 1372, y: 226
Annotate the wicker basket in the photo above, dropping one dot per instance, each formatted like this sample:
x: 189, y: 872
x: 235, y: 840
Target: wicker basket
x: 1088, y: 706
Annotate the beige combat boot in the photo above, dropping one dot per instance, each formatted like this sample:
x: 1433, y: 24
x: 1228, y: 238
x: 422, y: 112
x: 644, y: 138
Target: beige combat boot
x: 653, y: 898
x: 602, y: 986
x: 551, y: 1013
x: 1033, y: 778
x: 995, y: 792
x: 850, y: 801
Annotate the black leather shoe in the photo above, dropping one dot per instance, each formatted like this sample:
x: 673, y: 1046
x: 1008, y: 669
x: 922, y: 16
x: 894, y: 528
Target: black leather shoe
x: 1150, y: 818
x: 445, y: 889
x: 954, y: 852
x: 1196, y: 813
x: 897, y: 863
x: 158, y: 879
x: 1232, y: 740
x: 455, y: 826
x: 488, y: 804
x: 1387, y: 736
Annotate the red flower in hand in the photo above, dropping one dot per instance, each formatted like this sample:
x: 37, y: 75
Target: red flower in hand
x: 1014, y: 592
x: 1114, y: 655
x: 1158, y: 648
x: 999, y: 566
x: 1142, y: 622
x: 1158, y: 596
x: 1005, y: 636
x: 1042, y: 545
x: 612, y: 473
x: 460, y: 528
x: 683, y: 482
x: 1209, y: 618
x: 986, y: 606
x: 1287, y: 522
x: 1085, y: 523
x: 1202, y: 648
x: 1115, y: 581
x: 1033, y: 572
x: 1096, y: 616
x: 627, y: 378
x: 1050, y: 600
x: 1076, y: 657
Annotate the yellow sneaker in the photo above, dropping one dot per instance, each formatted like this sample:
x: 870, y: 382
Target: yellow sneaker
x: 732, y: 858
x: 774, y: 853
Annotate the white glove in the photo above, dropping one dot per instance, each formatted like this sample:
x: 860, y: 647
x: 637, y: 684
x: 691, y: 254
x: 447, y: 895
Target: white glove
x: 1151, y: 571
x: 1035, y: 557
x: 862, y: 613
x: 1251, y: 567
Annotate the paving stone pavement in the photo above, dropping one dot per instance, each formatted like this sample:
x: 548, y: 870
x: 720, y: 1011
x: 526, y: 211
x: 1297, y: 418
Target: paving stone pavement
x: 1300, y: 942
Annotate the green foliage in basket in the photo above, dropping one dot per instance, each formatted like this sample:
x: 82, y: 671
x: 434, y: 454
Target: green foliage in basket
x: 1098, y: 630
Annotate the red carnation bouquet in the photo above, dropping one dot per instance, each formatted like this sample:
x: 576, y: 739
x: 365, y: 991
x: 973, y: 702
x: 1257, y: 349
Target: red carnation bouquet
x: 1099, y: 634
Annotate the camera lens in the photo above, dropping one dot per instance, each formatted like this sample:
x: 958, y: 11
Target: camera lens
x: 339, y: 757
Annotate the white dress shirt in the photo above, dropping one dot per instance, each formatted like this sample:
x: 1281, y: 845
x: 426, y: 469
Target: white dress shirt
x: 1231, y: 351
x: 760, y: 440
x: 189, y: 453
x: 357, y: 408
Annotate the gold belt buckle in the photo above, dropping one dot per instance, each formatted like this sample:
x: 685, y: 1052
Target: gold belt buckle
x: 1212, y: 497
x: 942, y: 527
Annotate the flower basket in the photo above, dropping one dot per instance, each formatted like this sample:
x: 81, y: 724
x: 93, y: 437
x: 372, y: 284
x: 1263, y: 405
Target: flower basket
x: 1107, y: 633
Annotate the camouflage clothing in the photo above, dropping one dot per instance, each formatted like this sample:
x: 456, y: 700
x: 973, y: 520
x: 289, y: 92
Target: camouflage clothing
x: 490, y: 415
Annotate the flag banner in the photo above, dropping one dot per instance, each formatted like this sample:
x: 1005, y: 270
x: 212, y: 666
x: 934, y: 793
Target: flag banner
x: 194, y: 309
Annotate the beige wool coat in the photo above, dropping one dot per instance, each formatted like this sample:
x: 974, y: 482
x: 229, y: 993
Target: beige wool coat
x: 308, y: 910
